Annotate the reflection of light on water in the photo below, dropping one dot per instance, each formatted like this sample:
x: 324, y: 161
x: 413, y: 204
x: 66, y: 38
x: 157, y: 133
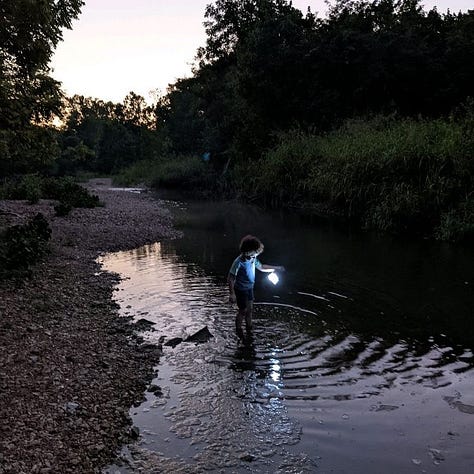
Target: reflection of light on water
x: 303, y: 310
x: 128, y: 190
x: 275, y: 370
x: 313, y: 296
x: 258, y: 396
x: 157, y: 284
x: 338, y: 294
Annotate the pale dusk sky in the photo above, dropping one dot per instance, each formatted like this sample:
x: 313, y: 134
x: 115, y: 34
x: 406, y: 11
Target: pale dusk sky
x: 118, y: 46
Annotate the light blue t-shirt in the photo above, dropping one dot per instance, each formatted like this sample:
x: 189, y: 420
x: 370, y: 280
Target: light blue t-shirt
x: 244, y: 272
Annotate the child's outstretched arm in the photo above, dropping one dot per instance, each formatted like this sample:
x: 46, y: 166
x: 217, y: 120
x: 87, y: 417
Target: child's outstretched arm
x: 271, y: 268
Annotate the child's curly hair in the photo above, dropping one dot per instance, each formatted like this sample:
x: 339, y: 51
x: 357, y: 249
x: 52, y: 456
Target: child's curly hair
x: 250, y: 245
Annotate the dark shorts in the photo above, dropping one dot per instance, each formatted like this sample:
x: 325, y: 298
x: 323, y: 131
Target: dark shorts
x: 243, y: 297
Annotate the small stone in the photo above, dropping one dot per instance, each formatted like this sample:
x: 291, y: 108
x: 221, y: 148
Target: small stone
x: 437, y: 455
x: 72, y: 407
x: 247, y: 457
x: 144, y: 324
x: 134, y: 432
x: 156, y: 390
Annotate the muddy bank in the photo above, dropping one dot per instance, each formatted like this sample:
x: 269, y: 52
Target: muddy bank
x: 70, y: 368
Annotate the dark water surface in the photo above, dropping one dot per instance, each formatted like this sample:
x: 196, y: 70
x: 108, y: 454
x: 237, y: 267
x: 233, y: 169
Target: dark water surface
x: 362, y: 360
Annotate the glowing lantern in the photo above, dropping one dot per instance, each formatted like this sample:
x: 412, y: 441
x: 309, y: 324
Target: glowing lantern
x: 273, y: 277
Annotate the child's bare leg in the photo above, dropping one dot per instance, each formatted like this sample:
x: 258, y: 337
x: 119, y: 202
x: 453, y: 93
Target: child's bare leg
x: 248, y: 316
x: 238, y: 323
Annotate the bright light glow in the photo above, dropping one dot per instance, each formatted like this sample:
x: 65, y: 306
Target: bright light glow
x: 275, y: 370
x: 273, y: 277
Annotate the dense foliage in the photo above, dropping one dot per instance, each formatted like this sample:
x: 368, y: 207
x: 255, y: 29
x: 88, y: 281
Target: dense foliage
x: 184, y: 173
x: 66, y: 191
x: 284, y: 104
x: 388, y: 174
x: 266, y: 68
x: 21, y: 246
x: 104, y: 137
x: 29, y: 96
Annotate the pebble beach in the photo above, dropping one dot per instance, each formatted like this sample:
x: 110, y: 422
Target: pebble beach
x: 70, y: 367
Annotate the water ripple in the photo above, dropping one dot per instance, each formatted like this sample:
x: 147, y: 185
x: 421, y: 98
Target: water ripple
x: 235, y: 407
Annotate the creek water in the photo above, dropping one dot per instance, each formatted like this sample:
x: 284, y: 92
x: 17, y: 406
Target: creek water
x: 361, y: 362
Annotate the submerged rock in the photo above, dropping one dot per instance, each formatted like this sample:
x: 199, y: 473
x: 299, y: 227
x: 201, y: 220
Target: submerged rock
x: 247, y: 457
x: 144, y: 325
x: 174, y: 342
x: 203, y: 335
x: 156, y: 390
x: 134, y: 432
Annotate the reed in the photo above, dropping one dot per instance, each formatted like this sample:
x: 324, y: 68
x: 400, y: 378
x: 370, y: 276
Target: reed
x: 396, y: 175
x: 173, y: 172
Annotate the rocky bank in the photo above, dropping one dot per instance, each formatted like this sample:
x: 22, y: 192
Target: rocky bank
x: 70, y: 367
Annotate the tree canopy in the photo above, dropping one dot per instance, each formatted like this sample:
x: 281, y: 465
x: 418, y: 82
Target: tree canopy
x: 266, y: 68
x: 29, y: 96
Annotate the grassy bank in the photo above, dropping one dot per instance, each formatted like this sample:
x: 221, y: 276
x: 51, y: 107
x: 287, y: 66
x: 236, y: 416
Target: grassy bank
x: 402, y: 176
x: 186, y: 173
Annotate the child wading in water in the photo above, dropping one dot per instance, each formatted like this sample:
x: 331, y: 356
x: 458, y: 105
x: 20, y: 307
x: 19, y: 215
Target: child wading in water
x: 241, y: 280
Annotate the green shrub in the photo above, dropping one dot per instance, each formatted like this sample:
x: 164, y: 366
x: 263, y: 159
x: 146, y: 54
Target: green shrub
x: 27, y: 187
x: 457, y: 224
x: 388, y: 174
x: 23, y: 245
x: 68, y: 192
x: 183, y: 173
x: 33, y: 187
x: 398, y: 210
x: 141, y: 172
x: 281, y: 176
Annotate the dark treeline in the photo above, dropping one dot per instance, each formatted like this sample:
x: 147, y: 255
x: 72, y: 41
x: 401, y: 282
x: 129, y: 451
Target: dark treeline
x: 367, y: 112
x: 29, y: 96
x: 267, y: 68
x: 105, y: 137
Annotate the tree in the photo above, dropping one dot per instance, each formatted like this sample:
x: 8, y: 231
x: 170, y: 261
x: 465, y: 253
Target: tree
x: 267, y: 68
x: 251, y: 71
x: 105, y: 136
x: 179, y: 114
x: 136, y: 112
x: 29, y: 97
x: 229, y: 22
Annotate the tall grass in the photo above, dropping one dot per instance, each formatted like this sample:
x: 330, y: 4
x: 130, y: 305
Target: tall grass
x: 393, y: 175
x: 183, y: 172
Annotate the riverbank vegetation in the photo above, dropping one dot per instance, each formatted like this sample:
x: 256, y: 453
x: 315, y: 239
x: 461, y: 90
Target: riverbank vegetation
x: 23, y: 245
x: 397, y: 175
x: 367, y: 114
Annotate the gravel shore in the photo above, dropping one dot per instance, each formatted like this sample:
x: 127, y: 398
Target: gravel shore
x: 70, y: 367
